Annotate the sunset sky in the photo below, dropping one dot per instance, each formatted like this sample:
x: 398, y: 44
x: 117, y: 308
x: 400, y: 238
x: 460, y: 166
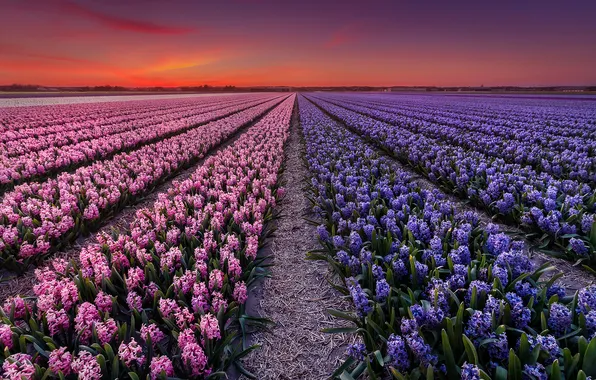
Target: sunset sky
x: 297, y: 43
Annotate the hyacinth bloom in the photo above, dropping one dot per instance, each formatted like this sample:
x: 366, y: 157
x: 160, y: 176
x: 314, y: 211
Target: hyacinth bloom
x: 544, y: 180
x: 38, y: 217
x: 384, y: 232
x: 18, y: 366
x: 124, y: 274
x: 161, y: 365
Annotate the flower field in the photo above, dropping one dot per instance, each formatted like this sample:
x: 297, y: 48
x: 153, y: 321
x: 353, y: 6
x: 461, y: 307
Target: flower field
x: 542, y: 181
x: 41, y: 216
x: 427, y: 211
x: 73, y: 143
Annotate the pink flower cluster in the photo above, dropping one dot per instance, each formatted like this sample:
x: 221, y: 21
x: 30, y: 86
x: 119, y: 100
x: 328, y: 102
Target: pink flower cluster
x: 161, y: 365
x: 86, y: 366
x: 190, y: 254
x: 131, y: 353
x: 5, y: 336
x: 18, y: 366
x: 41, y: 215
x: 60, y: 361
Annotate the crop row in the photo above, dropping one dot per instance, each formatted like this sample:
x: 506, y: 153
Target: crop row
x: 568, y: 118
x: 533, y: 124
x: 37, y: 218
x: 34, y: 123
x: 22, y: 122
x: 524, y: 143
x: 558, y: 213
x: 39, y: 164
x: 67, y: 133
x: 165, y: 299
x: 436, y: 294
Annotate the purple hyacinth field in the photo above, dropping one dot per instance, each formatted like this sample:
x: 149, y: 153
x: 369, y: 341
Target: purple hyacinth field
x: 310, y: 235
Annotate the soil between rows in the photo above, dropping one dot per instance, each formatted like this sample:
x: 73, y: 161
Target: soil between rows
x: 297, y: 294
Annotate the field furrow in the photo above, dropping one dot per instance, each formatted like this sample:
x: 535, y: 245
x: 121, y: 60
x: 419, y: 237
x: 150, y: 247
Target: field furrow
x: 297, y: 295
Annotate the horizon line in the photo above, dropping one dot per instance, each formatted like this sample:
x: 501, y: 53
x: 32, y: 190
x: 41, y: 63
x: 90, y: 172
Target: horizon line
x: 325, y: 86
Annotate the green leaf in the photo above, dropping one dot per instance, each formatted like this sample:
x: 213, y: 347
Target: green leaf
x: 459, y: 321
x: 349, y: 361
x: 449, y: 359
x: 555, y: 372
x: 470, y: 350
x: 484, y: 375
x: 41, y: 351
x: 359, y: 370
x: 115, y: 368
x: 22, y: 343
x: 524, y: 347
x: 396, y: 374
x: 343, y: 315
x: 102, y: 363
x: 430, y: 373
x: 571, y: 362
x: 370, y: 370
x: 109, y: 351
x: 515, y: 368
x: 243, y: 370
x: 379, y: 357
x: 474, y: 298
x: 589, y: 362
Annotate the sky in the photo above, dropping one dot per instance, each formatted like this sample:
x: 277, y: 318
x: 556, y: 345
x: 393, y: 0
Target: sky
x: 298, y: 43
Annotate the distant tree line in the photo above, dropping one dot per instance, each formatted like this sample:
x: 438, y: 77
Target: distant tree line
x: 109, y: 88
x: 19, y: 87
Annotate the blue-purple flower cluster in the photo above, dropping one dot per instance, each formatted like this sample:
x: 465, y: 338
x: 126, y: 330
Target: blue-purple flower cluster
x: 542, y: 181
x: 412, y: 262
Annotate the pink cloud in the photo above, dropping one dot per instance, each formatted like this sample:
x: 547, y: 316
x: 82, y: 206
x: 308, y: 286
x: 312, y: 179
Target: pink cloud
x: 121, y: 23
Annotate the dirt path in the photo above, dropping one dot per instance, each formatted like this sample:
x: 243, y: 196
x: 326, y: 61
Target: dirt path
x: 297, y: 294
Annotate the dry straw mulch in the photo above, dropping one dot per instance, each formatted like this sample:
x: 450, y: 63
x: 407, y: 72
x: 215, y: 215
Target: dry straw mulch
x: 297, y: 294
